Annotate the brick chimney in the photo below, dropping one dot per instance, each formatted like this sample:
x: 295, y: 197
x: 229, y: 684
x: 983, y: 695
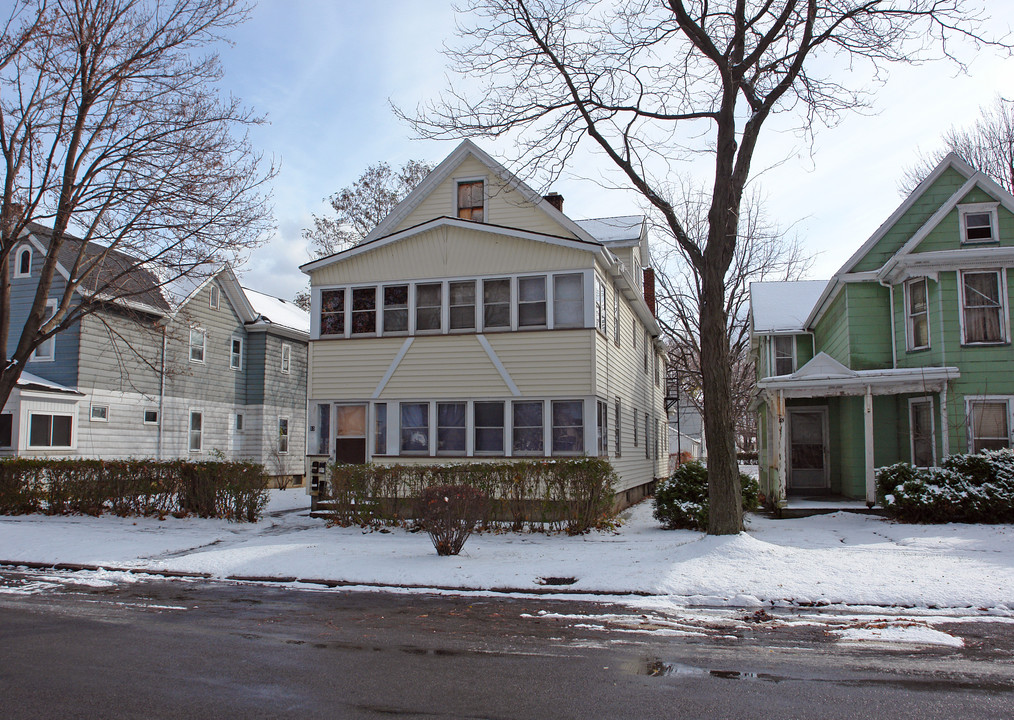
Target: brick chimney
x: 555, y: 199
x: 649, y: 290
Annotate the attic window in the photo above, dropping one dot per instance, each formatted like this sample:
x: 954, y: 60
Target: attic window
x: 213, y: 302
x: 471, y: 200
x: 23, y: 268
x: 978, y: 223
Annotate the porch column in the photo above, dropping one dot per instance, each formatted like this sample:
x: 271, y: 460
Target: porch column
x: 782, y: 447
x: 945, y: 439
x: 871, y: 487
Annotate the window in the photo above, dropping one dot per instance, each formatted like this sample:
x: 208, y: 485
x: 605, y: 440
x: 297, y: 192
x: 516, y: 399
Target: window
x: 600, y: 305
x: 47, y: 350
x: 320, y: 430
x: 602, y: 417
x: 380, y: 428
x: 783, y: 354
x: 99, y: 413
x: 978, y: 223
x: 286, y: 358
x: 646, y: 348
x: 213, y: 297
x: 462, y: 305
x: 471, y: 201
x: 283, y: 435
x: 532, y: 301
x: 568, y: 301
x: 332, y: 312
x: 634, y: 425
x: 364, y: 311
x: 657, y: 438
x: 415, y: 428
x: 616, y: 429
x: 49, y: 431
x: 196, y: 431
x: 151, y: 417
x: 658, y: 372
x: 496, y: 304
x: 616, y: 315
x: 633, y: 333
x: 6, y: 430
x: 451, y: 428
x: 920, y: 413
x: 489, y: 423
x: 528, y: 437
x: 23, y: 267
x: 395, y: 309
x: 647, y: 437
x: 198, y: 339
x: 982, y: 311
x: 989, y: 424
x: 239, y: 422
x: 568, y: 427
x: 917, y: 314
x: 236, y: 353
x: 427, y: 307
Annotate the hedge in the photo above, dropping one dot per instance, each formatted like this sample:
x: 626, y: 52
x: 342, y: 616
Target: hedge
x: 231, y: 490
x: 966, y: 488
x: 571, y: 495
x: 681, y: 500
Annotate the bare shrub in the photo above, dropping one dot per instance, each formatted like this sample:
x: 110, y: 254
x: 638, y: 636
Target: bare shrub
x: 450, y: 514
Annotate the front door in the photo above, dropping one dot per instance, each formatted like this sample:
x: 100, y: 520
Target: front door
x: 350, y: 434
x: 808, y: 453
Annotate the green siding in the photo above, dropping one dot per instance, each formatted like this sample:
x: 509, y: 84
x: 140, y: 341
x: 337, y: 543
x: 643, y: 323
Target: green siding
x: 869, y: 326
x: 947, y: 235
x: 831, y: 334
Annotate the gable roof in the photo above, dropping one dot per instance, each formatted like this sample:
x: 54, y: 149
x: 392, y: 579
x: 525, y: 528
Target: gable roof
x: 783, y: 306
x: 974, y: 178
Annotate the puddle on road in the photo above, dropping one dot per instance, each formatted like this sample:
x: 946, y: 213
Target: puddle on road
x: 656, y: 668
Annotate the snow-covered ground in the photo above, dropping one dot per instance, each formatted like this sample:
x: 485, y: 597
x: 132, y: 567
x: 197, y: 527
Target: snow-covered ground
x: 840, y: 559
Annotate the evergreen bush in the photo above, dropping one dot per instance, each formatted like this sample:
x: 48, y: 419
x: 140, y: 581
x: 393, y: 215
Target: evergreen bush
x: 681, y: 500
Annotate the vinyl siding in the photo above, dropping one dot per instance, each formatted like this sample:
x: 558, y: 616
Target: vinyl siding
x: 831, y: 335
x: 869, y: 326
x: 504, y: 206
x: 947, y: 235
x: 451, y: 252
x: 121, y: 353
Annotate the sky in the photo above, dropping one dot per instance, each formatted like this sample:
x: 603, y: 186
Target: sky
x: 325, y: 72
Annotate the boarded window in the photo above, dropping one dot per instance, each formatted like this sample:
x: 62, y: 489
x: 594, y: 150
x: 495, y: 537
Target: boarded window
x: 470, y: 201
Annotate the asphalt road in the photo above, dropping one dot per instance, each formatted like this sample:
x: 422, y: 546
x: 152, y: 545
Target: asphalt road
x: 174, y: 649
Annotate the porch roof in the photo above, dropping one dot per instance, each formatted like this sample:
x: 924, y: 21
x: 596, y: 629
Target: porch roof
x: 824, y: 376
x: 34, y: 383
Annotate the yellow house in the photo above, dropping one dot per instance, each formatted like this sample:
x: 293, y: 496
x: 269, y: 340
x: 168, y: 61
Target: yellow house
x: 477, y: 321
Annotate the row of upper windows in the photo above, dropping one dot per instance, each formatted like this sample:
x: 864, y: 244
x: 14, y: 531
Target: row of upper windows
x: 982, y: 309
x: 199, y: 343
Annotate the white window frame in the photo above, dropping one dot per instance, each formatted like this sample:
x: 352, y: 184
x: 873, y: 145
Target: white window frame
x: 476, y: 302
x: 617, y: 427
x: 616, y: 316
x: 485, y: 195
x: 319, y: 309
x: 599, y: 300
x: 21, y: 250
x: 980, y: 399
x: 910, y: 317
x: 508, y: 420
x: 602, y: 428
x: 988, y: 208
x: 546, y: 301
x: 52, y: 414
x: 204, y: 345
x: 214, y: 297
x: 912, y: 402
x: 190, y: 431
x: 582, y: 449
x: 352, y: 312
x: 382, y: 309
x: 283, y: 435
x: 286, y: 367
x: 1004, y: 310
x: 103, y: 415
x: 39, y: 354
x: 514, y: 451
x: 511, y: 304
x: 236, y: 359
x: 144, y: 416
x: 552, y: 302
x: 773, y: 357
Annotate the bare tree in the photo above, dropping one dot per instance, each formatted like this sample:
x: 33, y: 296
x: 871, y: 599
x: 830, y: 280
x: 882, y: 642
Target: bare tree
x: 763, y: 252
x: 111, y: 130
x: 361, y: 206
x: 988, y: 147
x: 652, y: 82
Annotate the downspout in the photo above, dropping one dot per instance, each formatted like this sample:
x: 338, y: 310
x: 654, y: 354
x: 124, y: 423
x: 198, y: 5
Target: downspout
x: 161, y: 397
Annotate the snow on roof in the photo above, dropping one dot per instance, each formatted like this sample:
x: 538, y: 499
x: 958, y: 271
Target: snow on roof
x: 613, y: 229
x: 28, y: 381
x: 278, y: 311
x: 783, y: 306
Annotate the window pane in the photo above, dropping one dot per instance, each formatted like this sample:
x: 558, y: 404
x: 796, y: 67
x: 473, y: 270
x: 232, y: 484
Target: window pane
x: 496, y: 301
x: 332, y: 312
x: 528, y: 437
x: 568, y: 301
x: 396, y: 308
x: 532, y: 301
x: 427, y: 301
x: 462, y: 305
x: 380, y: 431
x: 489, y: 417
x: 364, y: 311
x: 323, y: 429
x: 415, y: 432
x: 451, y: 428
x: 568, y: 426
x: 978, y: 226
x: 989, y: 426
x: 6, y: 430
x: 40, y: 430
x: 61, y: 430
x: 25, y: 262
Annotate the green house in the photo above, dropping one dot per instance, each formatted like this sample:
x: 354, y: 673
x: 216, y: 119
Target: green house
x: 903, y: 356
